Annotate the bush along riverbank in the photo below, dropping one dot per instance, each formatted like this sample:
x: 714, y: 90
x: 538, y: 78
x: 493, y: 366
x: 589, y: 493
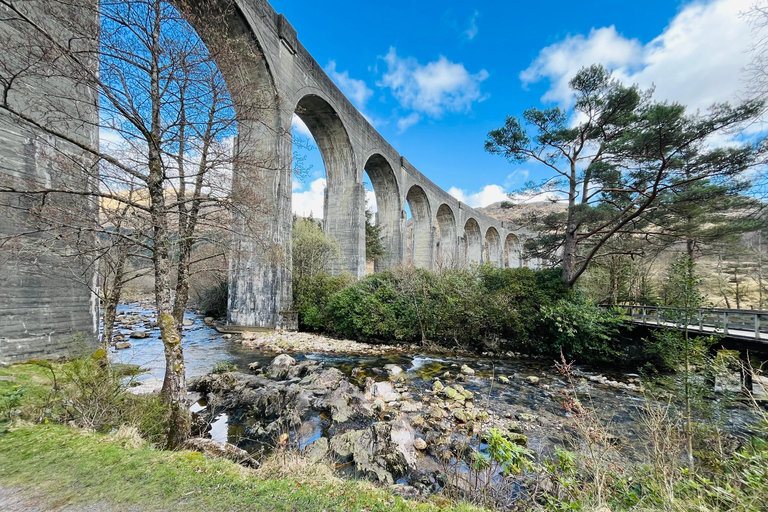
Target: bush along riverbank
x: 482, y: 309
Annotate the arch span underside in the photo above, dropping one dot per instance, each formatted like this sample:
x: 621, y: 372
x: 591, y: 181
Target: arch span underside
x: 388, y: 209
x: 260, y: 273
x: 447, y: 247
x: 271, y: 77
x: 513, y: 257
x: 492, y: 246
x: 420, y: 243
x: 473, y: 243
x: 343, y: 213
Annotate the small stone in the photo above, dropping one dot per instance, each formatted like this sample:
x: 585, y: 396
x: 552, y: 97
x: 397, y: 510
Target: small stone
x: 436, y: 412
x: 466, y: 370
x: 393, y: 369
x: 122, y: 345
x: 188, y: 323
x: 139, y: 335
x: 409, y: 406
x: 460, y: 416
x: 248, y: 335
x: 437, y: 387
x: 447, y: 375
x: 208, y: 320
x: 530, y: 418
x: 226, y: 337
x: 503, y: 379
x: 254, y: 366
x: 532, y: 379
x: 450, y: 393
x: 379, y: 405
x: 419, y: 444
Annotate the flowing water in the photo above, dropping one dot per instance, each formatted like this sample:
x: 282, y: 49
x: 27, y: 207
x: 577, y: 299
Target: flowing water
x: 618, y: 408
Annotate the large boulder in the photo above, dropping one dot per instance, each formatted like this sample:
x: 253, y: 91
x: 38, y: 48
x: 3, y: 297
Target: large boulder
x: 383, y: 452
x: 280, y: 366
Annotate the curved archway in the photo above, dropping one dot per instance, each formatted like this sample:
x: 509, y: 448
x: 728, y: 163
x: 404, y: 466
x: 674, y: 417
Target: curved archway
x: 420, y: 242
x: 492, y: 246
x: 343, y: 204
x: 260, y: 284
x: 513, y: 256
x: 473, y: 242
x: 446, y: 249
x: 388, y: 209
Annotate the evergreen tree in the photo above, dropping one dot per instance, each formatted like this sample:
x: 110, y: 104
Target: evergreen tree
x: 620, y: 165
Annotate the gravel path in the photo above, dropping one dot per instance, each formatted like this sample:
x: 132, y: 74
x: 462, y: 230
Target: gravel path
x: 14, y: 499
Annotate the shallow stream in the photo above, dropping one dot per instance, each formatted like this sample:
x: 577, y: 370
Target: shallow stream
x: 539, y: 399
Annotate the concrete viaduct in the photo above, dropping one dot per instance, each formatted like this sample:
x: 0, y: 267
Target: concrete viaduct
x: 279, y: 75
x: 445, y: 231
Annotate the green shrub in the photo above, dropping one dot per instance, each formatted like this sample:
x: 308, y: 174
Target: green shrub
x: 213, y: 300
x: 224, y: 367
x: 581, y: 329
x: 311, y: 295
x: 10, y: 400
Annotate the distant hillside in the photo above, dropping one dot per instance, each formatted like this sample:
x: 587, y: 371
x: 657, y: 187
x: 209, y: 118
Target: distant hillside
x: 518, y: 213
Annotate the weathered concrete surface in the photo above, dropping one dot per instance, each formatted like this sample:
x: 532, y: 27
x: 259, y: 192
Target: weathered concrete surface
x: 46, y: 305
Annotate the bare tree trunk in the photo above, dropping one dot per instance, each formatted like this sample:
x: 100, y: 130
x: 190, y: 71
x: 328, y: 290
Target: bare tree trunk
x: 174, y: 385
x: 112, y: 295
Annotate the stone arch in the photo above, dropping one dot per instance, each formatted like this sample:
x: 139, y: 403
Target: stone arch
x: 446, y: 253
x: 260, y: 282
x: 492, y: 246
x: 513, y: 252
x: 473, y: 242
x: 344, y: 202
x: 388, y: 208
x: 420, y: 253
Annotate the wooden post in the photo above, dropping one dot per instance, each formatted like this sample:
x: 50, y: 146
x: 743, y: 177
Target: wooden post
x: 725, y: 323
x: 746, y: 371
x: 644, y: 314
x: 757, y: 326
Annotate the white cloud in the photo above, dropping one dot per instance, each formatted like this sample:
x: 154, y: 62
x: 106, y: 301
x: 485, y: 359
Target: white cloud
x: 433, y: 89
x: 299, y: 128
x: 370, y: 201
x: 471, y: 31
x: 406, y: 122
x: 356, y: 90
x: 488, y: 195
x: 518, y: 176
x: 697, y: 60
x: 309, y: 202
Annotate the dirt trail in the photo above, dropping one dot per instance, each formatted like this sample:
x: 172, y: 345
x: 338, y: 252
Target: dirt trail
x: 14, y: 499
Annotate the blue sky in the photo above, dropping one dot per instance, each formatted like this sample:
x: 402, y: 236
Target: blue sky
x: 434, y: 77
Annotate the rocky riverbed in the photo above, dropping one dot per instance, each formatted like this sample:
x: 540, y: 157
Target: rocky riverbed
x: 392, y: 414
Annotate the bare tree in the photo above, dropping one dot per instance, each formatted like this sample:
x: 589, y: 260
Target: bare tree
x: 171, y: 122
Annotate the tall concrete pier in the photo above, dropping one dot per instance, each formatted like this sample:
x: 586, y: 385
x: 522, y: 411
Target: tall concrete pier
x: 48, y: 307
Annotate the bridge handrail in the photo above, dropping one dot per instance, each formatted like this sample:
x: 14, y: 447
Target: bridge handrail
x: 714, y: 310
x: 654, y: 315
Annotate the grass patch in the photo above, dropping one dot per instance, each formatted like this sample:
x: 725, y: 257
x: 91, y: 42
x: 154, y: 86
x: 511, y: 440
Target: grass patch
x: 71, y: 466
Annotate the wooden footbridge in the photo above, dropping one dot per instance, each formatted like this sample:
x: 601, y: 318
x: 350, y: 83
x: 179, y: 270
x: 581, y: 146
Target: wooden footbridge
x: 742, y: 330
x: 741, y: 324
